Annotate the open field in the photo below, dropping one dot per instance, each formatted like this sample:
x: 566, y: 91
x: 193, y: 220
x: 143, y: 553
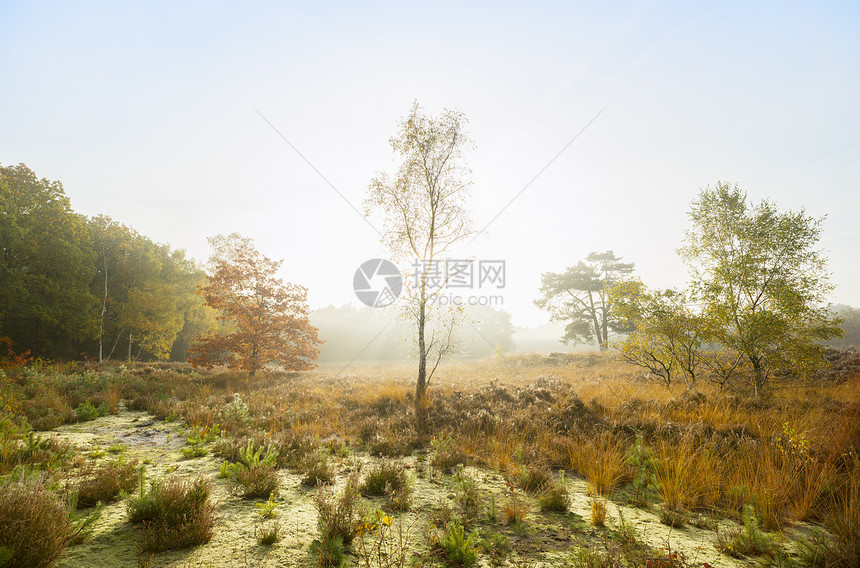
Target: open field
x: 576, y: 460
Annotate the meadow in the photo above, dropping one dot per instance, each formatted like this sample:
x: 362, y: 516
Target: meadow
x: 528, y: 460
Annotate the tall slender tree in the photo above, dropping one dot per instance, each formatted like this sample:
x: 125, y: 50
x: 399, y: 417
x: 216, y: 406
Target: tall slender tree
x: 423, y: 205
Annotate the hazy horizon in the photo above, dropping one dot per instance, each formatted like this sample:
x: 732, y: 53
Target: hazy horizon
x: 161, y: 116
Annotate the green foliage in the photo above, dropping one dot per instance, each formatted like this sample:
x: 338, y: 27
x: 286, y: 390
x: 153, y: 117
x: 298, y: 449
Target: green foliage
x: 641, y: 459
x: 251, y: 457
x: 748, y: 540
x: 554, y: 497
x: 194, y: 451
x: 458, y: 548
x: 330, y: 551
x: 46, y: 266
x: 81, y: 524
x: 580, y: 297
x: 254, y: 475
x: 268, y: 509
x: 532, y: 479
x: 666, y: 335
x: 467, y: 495
x: 497, y: 547
x: 761, y: 284
x: 86, y: 411
x: 383, y: 478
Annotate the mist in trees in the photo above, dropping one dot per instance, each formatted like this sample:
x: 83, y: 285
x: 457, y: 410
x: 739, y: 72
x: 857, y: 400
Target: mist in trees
x: 71, y: 284
x: 579, y: 298
x: 374, y: 334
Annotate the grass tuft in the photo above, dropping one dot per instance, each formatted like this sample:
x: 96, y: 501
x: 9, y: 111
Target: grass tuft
x: 173, y: 514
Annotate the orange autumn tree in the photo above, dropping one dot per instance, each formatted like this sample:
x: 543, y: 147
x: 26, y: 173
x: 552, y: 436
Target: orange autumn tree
x: 263, y: 320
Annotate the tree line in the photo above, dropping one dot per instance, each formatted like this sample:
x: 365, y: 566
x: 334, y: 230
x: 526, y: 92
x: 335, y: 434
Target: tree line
x: 72, y: 285
x: 755, y: 308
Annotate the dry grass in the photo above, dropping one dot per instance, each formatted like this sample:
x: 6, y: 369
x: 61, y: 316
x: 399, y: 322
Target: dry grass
x: 34, y: 524
x: 174, y: 514
x: 598, y: 511
x: 711, y: 450
x: 601, y: 459
x: 515, y: 510
x: 107, y: 483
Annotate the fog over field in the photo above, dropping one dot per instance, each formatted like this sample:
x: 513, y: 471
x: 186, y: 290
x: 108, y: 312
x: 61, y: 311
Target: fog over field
x: 594, y: 126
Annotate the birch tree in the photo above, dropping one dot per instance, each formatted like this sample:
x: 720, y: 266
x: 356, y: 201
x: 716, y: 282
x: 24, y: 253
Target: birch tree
x: 424, y: 217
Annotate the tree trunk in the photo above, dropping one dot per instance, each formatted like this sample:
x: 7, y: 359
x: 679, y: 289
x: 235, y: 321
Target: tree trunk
x: 253, y: 370
x: 598, y: 332
x: 421, y: 384
x: 129, y: 346
x: 758, y: 376
x: 605, y: 345
x: 104, y: 309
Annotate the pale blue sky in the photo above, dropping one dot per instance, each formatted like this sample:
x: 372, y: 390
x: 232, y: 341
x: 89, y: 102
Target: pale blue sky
x: 145, y: 111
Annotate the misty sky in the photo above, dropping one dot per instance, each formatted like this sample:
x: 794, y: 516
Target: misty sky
x: 146, y: 112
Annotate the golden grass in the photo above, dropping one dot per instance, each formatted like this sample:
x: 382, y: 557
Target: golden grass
x: 713, y: 450
x: 601, y: 459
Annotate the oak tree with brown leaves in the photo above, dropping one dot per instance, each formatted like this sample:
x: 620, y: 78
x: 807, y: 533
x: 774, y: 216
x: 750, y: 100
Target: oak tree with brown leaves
x: 264, y: 321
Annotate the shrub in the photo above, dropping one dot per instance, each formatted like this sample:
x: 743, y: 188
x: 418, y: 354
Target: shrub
x: 250, y: 457
x: 86, y: 411
x: 447, y: 456
x: 293, y: 448
x: 34, y: 524
x: 467, y: 495
x: 532, y: 479
x: 195, y: 451
x: 593, y: 557
x: 254, y: 473
x: 338, y: 514
x: 173, y: 514
x: 268, y: 534
x: 107, y: 482
x: 318, y: 471
x: 498, y: 547
x: 383, y: 478
x: 675, y: 518
x: 747, y: 540
x: 269, y: 509
x: 640, y: 459
x: 554, y: 498
x: 330, y: 551
x: 260, y: 480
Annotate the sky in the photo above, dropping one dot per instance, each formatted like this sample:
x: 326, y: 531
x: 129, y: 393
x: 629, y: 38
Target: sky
x: 169, y: 118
